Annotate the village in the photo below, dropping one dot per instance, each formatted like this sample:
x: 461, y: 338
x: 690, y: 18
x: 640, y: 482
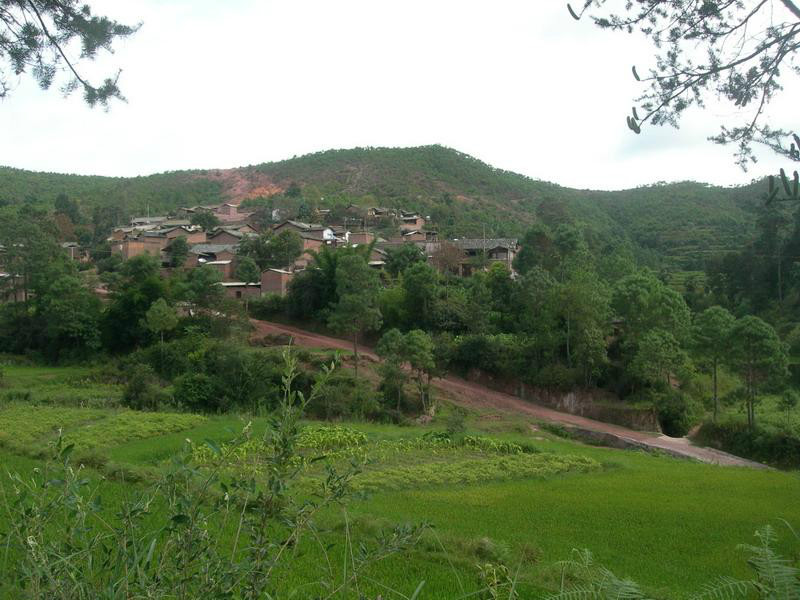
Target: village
x: 219, y: 245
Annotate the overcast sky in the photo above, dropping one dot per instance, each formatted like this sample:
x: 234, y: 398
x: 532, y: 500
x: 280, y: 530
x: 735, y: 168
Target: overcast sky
x: 516, y: 83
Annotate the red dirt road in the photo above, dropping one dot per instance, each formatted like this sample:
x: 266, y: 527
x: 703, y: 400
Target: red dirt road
x: 473, y: 395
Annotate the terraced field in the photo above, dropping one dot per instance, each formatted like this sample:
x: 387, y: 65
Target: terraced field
x: 501, y: 492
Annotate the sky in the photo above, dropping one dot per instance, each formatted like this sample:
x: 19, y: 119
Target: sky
x: 516, y: 83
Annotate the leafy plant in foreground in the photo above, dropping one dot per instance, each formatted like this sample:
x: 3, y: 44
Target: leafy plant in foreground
x: 195, y: 533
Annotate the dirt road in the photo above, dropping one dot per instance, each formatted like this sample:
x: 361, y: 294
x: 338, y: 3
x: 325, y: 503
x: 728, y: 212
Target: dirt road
x: 473, y: 395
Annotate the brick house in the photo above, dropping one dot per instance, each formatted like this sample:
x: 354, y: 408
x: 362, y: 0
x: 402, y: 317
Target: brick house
x: 275, y: 281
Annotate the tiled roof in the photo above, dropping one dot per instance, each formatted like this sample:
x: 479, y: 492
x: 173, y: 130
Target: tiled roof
x: 212, y: 248
x: 486, y: 244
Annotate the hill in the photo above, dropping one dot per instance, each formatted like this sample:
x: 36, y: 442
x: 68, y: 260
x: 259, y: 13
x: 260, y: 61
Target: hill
x: 680, y: 222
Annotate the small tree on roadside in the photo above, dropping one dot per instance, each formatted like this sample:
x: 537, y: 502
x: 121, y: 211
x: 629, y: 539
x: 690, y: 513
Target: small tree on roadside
x: 160, y: 318
x: 357, y: 287
x: 710, y: 335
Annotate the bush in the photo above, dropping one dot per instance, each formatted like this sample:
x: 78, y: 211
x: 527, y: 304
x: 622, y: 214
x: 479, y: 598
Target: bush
x: 674, y: 412
x: 267, y: 306
x: 196, y: 392
x: 557, y: 377
x: 142, y: 391
x: 775, y: 447
x: 345, y: 397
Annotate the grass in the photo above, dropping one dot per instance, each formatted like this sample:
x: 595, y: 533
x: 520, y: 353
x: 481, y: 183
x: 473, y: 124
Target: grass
x: 71, y: 386
x: 670, y: 524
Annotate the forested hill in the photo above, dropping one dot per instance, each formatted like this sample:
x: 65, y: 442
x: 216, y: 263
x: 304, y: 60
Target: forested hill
x: 462, y: 195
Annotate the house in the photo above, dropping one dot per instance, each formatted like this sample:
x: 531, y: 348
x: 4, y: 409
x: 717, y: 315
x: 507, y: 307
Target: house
x: 379, y: 212
x: 324, y: 233
x: 241, y: 289
x: 361, y: 237
x: 231, y: 212
x: 201, y: 254
x: 227, y: 235
x: 12, y: 288
x: 225, y: 267
x: 275, y: 281
x: 502, y: 250
x: 137, y: 221
x: 412, y: 222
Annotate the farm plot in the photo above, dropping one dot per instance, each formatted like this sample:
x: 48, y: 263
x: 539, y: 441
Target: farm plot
x: 28, y: 430
x: 396, y: 464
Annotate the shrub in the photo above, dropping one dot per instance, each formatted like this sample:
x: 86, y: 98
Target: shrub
x: 267, y: 306
x: 345, y: 397
x: 196, y: 392
x: 142, y: 391
x: 557, y: 377
x: 775, y: 447
x: 674, y: 412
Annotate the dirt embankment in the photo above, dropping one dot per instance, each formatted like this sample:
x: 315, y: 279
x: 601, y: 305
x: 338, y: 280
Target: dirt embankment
x: 473, y: 395
x: 240, y: 184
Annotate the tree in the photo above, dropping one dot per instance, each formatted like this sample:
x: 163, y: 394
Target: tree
x: 398, y: 259
x: 733, y: 49
x: 390, y: 349
x: 36, y: 36
x: 247, y: 271
x: 448, y: 258
x: 644, y: 302
x: 710, y: 333
x: 787, y: 403
x: 205, y: 219
x: 755, y: 353
x: 133, y: 292
x: 202, y: 287
x: 65, y: 206
x: 178, y: 250
x: 69, y: 316
x: 420, y: 282
x: 356, y: 311
x: 419, y: 352
x: 160, y: 318
x: 272, y: 251
x: 658, y: 356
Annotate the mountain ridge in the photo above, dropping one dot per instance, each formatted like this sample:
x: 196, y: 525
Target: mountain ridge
x: 462, y: 194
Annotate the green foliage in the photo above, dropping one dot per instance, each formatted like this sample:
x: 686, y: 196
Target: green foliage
x: 267, y: 306
x: 357, y: 288
x: 755, y: 353
x: 142, y: 391
x: 178, y: 251
x: 175, y: 532
x: 247, y: 270
x: 205, y: 219
x: 398, y: 259
x: 768, y: 445
x: 271, y: 251
x: 37, y: 36
x: 658, y: 356
x: 161, y: 318
x: 132, y: 294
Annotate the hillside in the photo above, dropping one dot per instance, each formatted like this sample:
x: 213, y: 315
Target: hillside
x: 681, y: 222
